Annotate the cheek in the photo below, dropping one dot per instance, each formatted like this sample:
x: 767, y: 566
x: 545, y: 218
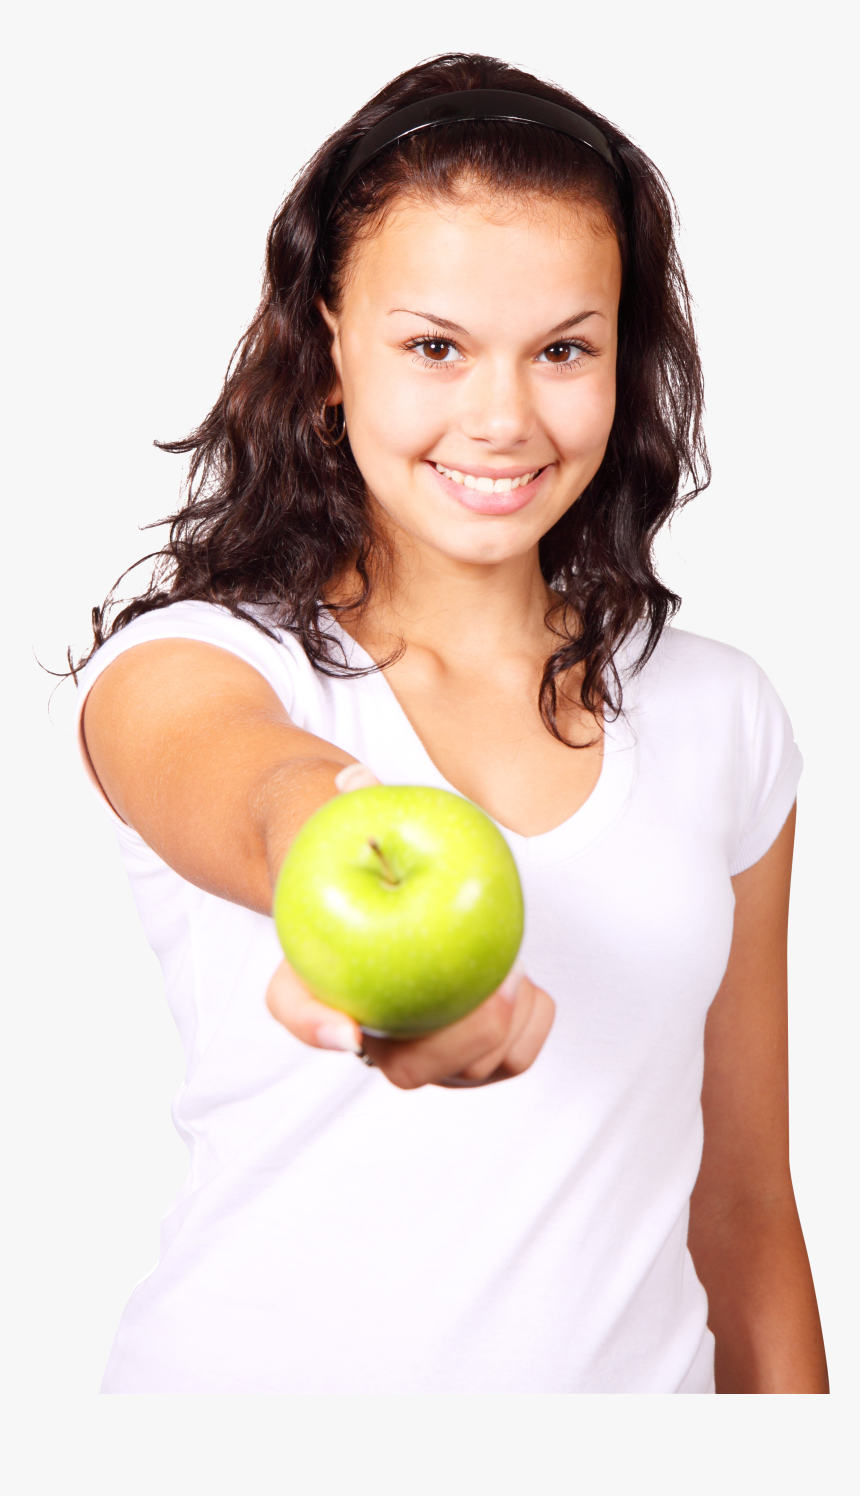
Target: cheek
x: 390, y: 415
x: 581, y: 419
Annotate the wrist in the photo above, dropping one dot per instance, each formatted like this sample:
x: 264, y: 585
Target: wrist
x: 290, y: 795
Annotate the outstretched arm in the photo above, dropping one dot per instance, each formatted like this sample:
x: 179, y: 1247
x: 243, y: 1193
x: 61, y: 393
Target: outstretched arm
x: 193, y: 748
x: 745, y: 1234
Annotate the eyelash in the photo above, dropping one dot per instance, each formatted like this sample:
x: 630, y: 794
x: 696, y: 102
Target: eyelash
x: 436, y: 337
x: 429, y: 337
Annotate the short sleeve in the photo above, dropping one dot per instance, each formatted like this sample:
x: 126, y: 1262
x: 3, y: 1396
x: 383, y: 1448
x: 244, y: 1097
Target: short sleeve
x: 773, y: 769
x: 276, y: 659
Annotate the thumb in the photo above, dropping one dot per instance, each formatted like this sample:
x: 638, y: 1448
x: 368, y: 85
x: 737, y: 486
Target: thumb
x: 289, y: 1000
x: 355, y: 777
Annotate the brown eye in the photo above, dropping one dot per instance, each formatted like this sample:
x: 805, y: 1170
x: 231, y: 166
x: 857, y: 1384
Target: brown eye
x: 558, y: 353
x: 435, y: 349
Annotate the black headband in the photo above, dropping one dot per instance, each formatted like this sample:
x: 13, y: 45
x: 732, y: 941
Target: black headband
x: 472, y: 104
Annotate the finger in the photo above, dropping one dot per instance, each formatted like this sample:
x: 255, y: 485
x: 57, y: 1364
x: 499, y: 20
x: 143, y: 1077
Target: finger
x: 525, y: 1049
x: 488, y: 1063
x: 355, y: 777
x: 532, y: 1021
x: 289, y: 1000
x: 466, y: 1044
x: 411, y: 1063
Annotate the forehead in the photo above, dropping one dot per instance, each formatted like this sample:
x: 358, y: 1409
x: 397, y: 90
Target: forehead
x: 483, y: 250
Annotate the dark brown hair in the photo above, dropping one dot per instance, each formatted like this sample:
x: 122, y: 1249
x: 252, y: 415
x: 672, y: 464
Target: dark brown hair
x: 274, y: 512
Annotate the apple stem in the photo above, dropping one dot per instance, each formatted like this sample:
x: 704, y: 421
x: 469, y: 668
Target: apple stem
x: 387, y: 870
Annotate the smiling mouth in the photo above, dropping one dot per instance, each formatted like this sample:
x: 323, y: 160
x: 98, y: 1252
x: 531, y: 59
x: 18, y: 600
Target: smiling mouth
x: 487, y: 485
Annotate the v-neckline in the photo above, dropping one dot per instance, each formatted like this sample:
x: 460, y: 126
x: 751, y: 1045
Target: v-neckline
x: 597, y: 814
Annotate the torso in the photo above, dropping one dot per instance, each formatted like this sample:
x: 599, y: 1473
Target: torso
x: 566, y: 1190
x: 479, y: 721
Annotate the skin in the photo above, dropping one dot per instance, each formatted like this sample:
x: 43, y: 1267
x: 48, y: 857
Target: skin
x: 464, y: 589
x: 745, y: 1235
x: 479, y: 335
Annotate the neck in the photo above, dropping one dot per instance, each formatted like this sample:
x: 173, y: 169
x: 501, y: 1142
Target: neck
x: 426, y: 599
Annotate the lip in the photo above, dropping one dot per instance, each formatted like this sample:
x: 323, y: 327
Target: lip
x: 487, y: 472
x: 491, y: 503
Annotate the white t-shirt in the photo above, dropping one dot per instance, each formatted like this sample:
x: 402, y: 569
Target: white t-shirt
x: 336, y: 1234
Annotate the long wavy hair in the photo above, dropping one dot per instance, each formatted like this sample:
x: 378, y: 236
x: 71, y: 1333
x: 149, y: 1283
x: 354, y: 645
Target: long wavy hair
x: 274, y: 512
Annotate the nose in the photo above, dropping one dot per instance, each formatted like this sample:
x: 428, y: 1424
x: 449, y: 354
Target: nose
x: 497, y: 407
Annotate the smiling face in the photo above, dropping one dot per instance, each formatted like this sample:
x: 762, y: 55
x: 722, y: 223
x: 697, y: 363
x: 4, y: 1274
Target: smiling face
x: 474, y: 346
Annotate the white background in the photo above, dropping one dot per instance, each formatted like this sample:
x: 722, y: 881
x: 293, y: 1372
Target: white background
x: 149, y: 147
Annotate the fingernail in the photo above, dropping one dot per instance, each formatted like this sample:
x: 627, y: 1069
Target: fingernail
x: 340, y: 1036
x: 511, y: 985
x: 355, y: 777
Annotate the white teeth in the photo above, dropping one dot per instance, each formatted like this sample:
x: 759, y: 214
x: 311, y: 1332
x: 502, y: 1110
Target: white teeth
x: 486, y: 485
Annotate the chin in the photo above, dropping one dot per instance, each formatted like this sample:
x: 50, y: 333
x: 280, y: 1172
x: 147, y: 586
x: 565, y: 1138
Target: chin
x: 473, y: 540
x: 486, y: 550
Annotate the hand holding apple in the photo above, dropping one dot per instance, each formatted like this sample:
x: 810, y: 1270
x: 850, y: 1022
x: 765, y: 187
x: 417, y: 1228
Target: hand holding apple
x: 498, y: 1040
x: 501, y: 1037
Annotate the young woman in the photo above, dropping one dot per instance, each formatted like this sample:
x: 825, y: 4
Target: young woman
x: 417, y: 549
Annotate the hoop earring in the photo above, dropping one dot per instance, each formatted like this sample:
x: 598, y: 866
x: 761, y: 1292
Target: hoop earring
x: 325, y: 432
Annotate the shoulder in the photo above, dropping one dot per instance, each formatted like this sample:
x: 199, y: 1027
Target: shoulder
x: 275, y: 654
x: 707, y: 704
x: 699, y: 662
x: 691, y: 675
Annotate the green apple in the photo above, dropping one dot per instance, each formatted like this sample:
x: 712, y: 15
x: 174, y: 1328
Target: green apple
x: 401, y: 906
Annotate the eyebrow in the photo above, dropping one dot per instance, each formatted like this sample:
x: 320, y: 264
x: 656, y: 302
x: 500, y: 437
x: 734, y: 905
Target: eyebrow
x: 430, y: 317
x: 574, y: 321
x: 455, y: 326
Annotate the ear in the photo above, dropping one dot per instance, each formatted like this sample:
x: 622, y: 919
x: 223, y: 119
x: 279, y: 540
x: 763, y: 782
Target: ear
x: 335, y: 395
